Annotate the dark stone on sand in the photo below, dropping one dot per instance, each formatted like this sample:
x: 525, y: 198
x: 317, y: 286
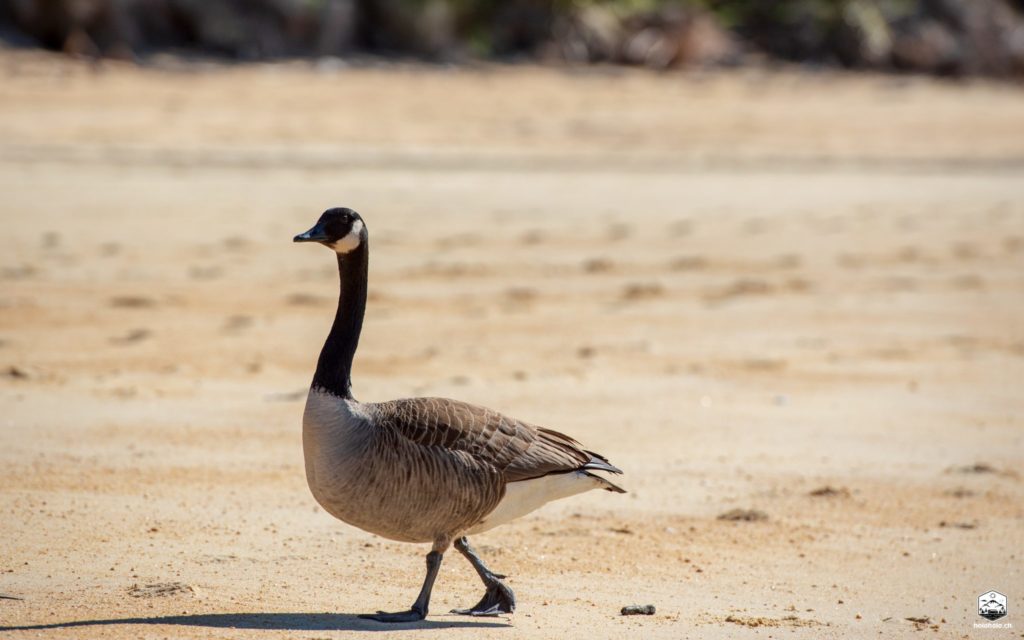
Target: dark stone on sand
x: 638, y: 610
x: 744, y: 515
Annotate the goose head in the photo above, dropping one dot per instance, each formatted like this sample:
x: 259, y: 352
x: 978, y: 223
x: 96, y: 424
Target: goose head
x: 340, y: 229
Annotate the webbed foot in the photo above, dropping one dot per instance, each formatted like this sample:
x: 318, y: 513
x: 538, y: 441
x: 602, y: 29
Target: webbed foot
x: 412, y: 615
x: 498, y: 599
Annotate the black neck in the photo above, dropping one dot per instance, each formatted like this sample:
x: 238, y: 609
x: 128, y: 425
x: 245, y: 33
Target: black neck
x: 334, y: 368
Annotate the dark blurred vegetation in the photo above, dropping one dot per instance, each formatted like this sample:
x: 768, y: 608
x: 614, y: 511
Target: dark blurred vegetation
x: 946, y: 37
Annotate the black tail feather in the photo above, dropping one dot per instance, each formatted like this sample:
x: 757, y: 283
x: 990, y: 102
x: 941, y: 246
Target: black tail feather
x: 608, y: 484
x: 600, y: 463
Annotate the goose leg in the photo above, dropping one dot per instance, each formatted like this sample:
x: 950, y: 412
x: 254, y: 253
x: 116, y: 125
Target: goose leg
x: 419, y: 608
x: 498, y: 598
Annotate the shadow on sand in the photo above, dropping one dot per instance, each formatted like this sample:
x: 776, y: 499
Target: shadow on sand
x: 271, y: 621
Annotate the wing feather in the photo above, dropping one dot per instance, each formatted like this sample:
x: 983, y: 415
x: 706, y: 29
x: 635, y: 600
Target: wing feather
x: 519, y: 450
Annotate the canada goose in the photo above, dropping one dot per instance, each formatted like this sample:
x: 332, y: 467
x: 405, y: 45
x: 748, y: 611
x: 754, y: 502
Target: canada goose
x: 423, y: 469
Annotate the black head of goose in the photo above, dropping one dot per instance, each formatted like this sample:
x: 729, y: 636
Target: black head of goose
x: 423, y: 469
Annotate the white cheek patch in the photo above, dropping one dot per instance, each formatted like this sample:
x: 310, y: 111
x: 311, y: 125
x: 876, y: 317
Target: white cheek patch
x: 351, y: 240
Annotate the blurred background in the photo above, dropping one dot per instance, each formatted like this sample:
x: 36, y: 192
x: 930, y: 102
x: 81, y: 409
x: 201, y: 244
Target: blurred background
x: 942, y: 37
x: 766, y: 256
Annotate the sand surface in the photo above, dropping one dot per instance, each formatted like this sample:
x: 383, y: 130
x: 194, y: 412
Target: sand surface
x: 796, y: 294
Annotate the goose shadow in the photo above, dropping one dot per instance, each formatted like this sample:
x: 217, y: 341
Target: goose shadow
x: 268, y: 621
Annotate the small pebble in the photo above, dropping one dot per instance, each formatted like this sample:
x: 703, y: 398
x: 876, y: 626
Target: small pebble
x: 638, y: 610
x: 744, y: 515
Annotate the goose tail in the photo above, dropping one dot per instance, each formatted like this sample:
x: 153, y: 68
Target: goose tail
x: 606, y: 484
x: 600, y: 463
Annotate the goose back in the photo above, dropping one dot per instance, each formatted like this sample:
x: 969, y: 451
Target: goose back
x: 519, y: 450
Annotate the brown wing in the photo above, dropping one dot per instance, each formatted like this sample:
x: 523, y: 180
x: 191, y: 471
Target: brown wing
x: 519, y: 450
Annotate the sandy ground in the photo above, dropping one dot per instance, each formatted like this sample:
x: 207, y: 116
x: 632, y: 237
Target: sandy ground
x: 797, y: 294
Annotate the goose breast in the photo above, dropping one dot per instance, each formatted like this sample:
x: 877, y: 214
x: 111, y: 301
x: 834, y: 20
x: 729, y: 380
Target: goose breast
x: 366, y: 473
